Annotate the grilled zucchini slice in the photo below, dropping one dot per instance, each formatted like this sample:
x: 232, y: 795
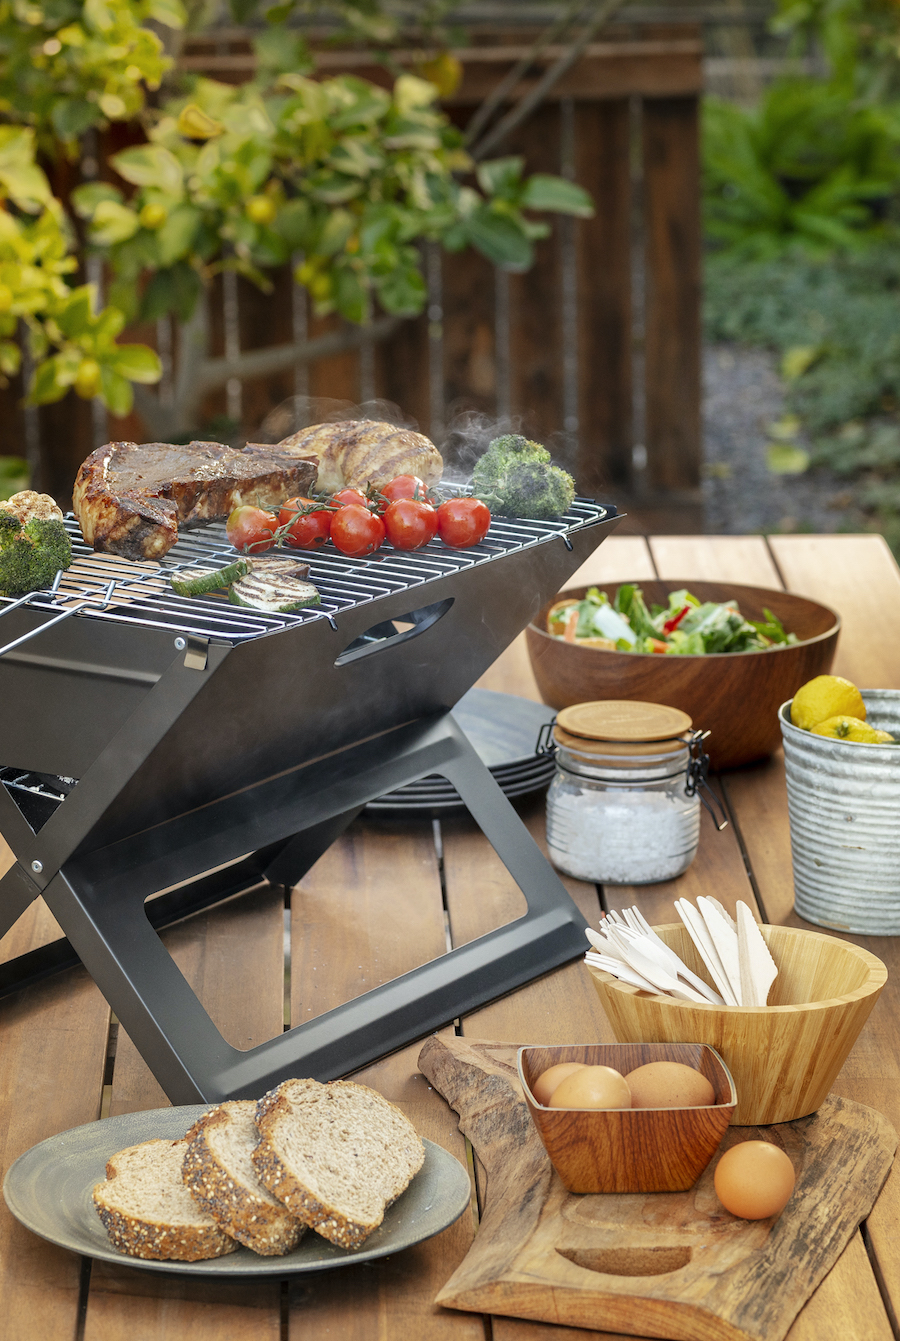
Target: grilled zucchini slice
x: 275, y: 595
x: 202, y: 581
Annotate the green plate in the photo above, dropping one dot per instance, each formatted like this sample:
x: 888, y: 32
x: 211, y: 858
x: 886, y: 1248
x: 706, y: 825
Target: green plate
x: 49, y: 1190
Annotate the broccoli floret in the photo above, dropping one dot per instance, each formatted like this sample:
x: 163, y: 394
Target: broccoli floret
x: 31, y: 555
x: 516, y: 479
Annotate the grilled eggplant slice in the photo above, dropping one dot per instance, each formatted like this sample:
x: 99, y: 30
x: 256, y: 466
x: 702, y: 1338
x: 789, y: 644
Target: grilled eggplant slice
x: 274, y: 594
x: 202, y: 581
x: 278, y: 565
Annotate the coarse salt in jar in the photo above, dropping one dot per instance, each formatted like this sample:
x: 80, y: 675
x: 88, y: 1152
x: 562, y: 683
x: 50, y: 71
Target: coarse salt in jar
x: 623, y: 808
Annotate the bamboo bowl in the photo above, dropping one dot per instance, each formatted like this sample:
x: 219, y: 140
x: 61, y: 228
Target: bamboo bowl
x: 784, y: 1057
x: 733, y: 695
x: 630, y: 1149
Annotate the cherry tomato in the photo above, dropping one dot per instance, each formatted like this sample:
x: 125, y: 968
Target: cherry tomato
x: 345, y: 496
x: 309, y: 525
x: 402, y: 486
x: 463, y: 522
x: 250, y: 528
x: 356, y: 531
x: 410, y: 523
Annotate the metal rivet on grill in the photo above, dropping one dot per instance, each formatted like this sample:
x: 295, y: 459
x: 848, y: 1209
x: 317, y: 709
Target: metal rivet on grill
x: 37, y: 867
x: 180, y: 644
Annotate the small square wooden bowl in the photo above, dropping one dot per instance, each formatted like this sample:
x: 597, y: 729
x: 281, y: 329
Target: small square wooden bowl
x: 630, y: 1149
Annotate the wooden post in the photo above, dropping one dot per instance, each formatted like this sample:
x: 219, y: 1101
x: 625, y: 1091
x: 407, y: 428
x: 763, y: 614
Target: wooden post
x: 673, y: 255
x: 602, y: 166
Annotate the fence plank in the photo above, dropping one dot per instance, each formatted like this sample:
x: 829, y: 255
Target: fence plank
x: 673, y: 250
x: 536, y: 335
x: 470, y: 362
x: 402, y: 371
x: 602, y: 167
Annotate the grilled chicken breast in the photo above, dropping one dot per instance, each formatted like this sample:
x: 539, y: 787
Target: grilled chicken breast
x: 359, y: 452
x: 130, y: 498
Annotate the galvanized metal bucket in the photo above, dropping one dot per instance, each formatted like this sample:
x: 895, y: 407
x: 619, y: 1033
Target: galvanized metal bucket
x: 844, y: 809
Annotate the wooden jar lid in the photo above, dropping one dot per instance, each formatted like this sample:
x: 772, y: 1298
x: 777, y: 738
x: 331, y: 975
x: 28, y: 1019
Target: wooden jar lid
x: 622, y: 726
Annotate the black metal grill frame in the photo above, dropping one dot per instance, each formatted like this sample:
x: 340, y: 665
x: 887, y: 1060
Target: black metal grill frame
x: 197, y: 738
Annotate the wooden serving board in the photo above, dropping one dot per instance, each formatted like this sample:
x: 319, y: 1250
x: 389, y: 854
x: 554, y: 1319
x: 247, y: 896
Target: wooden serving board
x: 674, y: 1265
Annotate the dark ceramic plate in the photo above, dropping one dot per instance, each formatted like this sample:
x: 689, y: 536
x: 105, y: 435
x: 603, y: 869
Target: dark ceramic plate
x: 49, y: 1190
x: 504, y: 730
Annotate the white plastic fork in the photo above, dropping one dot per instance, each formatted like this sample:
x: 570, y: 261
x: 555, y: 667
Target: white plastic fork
x: 619, y: 970
x: 640, y: 926
x: 652, y: 970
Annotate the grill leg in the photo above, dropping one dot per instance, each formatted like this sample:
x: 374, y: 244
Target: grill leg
x: 302, y: 852
x: 110, y: 930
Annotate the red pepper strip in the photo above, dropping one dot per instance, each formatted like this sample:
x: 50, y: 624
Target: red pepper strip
x: 673, y: 623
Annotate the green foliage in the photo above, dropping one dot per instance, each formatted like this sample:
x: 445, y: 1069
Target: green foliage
x: 67, y: 65
x: 808, y: 165
x: 846, y: 309
x: 859, y: 38
x: 515, y: 478
x: 70, y: 344
x: 31, y: 555
x: 349, y: 175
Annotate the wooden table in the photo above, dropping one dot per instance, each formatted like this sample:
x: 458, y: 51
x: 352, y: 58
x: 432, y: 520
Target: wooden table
x: 384, y: 899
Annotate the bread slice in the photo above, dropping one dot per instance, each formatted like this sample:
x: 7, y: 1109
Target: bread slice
x: 148, y: 1212
x: 219, y: 1175
x: 337, y: 1155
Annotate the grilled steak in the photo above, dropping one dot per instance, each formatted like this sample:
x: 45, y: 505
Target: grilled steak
x: 130, y: 498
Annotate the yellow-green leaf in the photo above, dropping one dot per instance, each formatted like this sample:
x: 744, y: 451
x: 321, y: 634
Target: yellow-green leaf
x: 799, y: 359
x: 784, y: 460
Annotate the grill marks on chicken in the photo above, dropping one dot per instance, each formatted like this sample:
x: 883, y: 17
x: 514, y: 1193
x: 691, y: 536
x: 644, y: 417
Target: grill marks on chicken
x: 359, y: 452
x: 130, y: 498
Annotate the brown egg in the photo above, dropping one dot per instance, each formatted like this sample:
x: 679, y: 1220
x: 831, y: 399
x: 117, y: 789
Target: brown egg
x: 544, y: 1086
x: 669, y: 1085
x: 592, y: 1087
x: 754, y: 1180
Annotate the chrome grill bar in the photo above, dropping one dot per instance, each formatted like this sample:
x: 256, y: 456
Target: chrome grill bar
x: 142, y: 594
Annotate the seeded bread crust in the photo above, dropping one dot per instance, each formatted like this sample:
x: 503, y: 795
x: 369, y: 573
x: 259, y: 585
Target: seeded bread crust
x: 244, y: 1209
x: 316, y: 1139
x: 147, y: 1212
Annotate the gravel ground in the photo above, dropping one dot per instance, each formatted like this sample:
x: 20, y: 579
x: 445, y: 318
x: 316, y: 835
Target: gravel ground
x: 743, y: 393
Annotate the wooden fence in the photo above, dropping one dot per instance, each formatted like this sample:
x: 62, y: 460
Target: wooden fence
x: 596, y: 349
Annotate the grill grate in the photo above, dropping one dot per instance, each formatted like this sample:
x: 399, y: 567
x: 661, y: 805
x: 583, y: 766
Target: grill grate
x: 142, y: 595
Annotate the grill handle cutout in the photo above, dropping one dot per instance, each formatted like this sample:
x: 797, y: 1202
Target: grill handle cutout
x: 392, y: 632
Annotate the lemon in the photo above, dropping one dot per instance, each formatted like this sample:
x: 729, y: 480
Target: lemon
x: 826, y: 696
x: 844, y: 727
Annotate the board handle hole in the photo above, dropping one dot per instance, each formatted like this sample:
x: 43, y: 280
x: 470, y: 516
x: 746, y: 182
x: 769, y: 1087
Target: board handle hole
x: 629, y: 1261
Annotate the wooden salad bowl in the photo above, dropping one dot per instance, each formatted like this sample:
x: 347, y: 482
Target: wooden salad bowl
x: 784, y: 1057
x: 630, y: 1149
x: 733, y: 695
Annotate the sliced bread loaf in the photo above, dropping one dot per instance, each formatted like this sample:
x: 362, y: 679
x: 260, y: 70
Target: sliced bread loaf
x: 220, y: 1176
x: 337, y: 1155
x: 148, y: 1212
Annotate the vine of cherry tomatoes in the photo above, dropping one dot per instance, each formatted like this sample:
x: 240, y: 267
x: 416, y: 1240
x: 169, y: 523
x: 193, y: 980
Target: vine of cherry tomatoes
x: 403, y: 512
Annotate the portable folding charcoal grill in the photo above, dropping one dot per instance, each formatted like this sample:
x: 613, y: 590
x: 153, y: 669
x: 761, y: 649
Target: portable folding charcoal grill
x: 153, y: 741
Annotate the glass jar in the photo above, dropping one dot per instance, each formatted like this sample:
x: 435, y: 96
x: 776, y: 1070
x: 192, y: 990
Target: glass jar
x: 621, y: 809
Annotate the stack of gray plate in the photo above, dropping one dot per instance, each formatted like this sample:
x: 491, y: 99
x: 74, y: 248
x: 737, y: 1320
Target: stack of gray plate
x: 504, y: 731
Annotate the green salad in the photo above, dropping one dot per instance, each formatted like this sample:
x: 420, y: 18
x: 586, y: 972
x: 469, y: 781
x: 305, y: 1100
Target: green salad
x: 686, y: 625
